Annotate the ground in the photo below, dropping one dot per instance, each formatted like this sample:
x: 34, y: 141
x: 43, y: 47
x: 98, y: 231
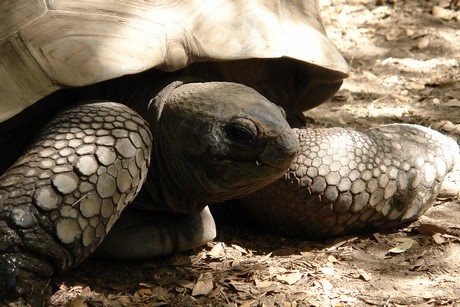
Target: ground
x: 404, y: 67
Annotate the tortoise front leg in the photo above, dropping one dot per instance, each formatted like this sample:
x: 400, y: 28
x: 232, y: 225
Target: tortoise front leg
x: 59, y: 200
x: 140, y: 234
x: 347, y: 181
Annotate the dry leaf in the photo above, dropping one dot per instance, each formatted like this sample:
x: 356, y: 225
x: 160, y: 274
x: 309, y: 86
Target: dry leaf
x: 185, y: 283
x: 327, y: 285
x: 438, y: 239
x: 79, y: 301
x: 241, y: 286
x: 378, y: 237
x: 442, y: 13
x: 265, y: 258
x: 410, y: 32
x: 291, y: 278
x: 452, y: 103
x: 404, y: 246
x: 203, y: 285
x: 423, y: 43
x: 332, y: 259
x: 249, y: 303
x: 160, y: 293
x: 263, y: 283
x: 393, y: 34
x: 419, y: 262
x: 448, y: 236
x: 370, y: 75
x: 197, y: 258
x: 239, y: 248
x: 145, y: 291
x: 124, y: 300
x: 429, y: 229
x: 364, y: 275
x: 327, y: 271
x: 217, y: 251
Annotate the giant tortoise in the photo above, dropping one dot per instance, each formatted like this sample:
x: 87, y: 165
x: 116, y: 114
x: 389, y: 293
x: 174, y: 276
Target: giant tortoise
x: 195, y: 102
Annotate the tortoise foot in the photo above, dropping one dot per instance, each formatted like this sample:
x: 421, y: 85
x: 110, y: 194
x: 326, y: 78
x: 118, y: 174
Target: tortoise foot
x: 346, y: 181
x: 140, y: 234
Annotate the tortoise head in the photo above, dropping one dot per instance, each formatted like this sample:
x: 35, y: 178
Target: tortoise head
x: 216, y: 141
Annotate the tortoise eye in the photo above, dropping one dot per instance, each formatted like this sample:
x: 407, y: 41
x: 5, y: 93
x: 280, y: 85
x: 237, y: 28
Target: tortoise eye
x: 242, y: 134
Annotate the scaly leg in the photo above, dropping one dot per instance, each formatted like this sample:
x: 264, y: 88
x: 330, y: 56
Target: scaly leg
x: 59, y: 200
x: 346, y: 181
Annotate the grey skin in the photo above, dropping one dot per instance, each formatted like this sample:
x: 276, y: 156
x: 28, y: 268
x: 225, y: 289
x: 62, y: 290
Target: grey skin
x: 211, y: 142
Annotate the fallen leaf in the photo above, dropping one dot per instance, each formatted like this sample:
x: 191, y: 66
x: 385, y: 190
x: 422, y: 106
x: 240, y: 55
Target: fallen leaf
x: 452, y: 103
x: 197, y: 258
x: 291, y: 278
x: 217, y: 251
x: 265, y: 258
x: 249, y: 303
x: 263, y: 283
x: 448, y: 236
x: 378, y: 237
x: 239, y: 248
x: 203, y: 285
x: 160, y: 293
x: 364, y: 275
x: 423, y: 43
x: 429, y: 229
x: 419, y: 262
x: 241, y: 286
x: 332, y: 259
x: 438, y: 239
x: 79, y: 301
x: 327, y: 285
x: 327, y: 271
x: 145, y: 291
x: 185, y: 283
x: 402, y: 247
x: 393, y: 34
x: 442, y: 13
x: 370, y: 75
x: 124, y: 300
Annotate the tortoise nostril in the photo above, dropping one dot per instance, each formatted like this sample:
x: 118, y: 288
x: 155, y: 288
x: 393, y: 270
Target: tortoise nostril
x: 285, y: 149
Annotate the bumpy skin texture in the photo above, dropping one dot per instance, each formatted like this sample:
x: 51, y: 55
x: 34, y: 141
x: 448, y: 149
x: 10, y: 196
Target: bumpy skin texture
x: 63, y: 195
x: 346, y: 181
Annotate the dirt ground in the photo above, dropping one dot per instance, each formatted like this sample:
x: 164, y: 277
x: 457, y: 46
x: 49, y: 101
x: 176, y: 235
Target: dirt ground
x: 404, y: 67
